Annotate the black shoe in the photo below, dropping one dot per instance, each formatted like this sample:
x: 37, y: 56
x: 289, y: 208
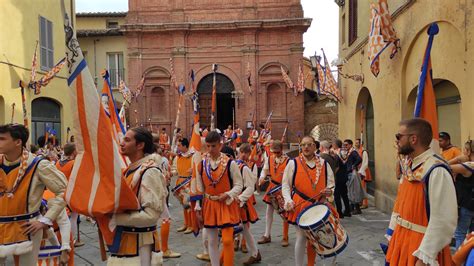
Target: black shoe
x: 341, y: 215
x: 347, y: 214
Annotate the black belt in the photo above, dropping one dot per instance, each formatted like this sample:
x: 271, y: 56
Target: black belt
x: 139, y: 229
x: 275, y: 182
x: 183, y: 176
x: 18, y: 218
x: 304, y: 196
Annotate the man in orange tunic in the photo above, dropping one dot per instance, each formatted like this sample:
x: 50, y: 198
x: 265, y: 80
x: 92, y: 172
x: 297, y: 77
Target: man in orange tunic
x: 274, y: 167
x: 23, y: 178
x: 364, y: 170
x: 425, y: 212
x: 164, y: 138
x: 306, y: 179
x: 219, y: 182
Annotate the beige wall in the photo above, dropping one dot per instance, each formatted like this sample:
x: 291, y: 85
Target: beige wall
x: 87, y: 23
x: 452, y: 60
x: 19, y: 31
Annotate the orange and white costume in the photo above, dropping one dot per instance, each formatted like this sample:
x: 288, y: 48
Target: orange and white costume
x: 20, y: 203
x: 182, y: 169
x: 239, y: 133
x: 364, y: 171
x: 214, y: 177
x: 274, y: 167
x: 139, y: 242
x: 57, y: 239
x: 253, y: 136
x: 303, y: 181
x: 424, y: 215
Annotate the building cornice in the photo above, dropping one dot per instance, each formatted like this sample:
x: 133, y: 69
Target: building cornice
x: 99, y: 32
x: 303, y: 23
x: 101, y: 14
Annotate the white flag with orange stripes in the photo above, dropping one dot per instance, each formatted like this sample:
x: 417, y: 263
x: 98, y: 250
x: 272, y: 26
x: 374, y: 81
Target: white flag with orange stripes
x: 96, y: 187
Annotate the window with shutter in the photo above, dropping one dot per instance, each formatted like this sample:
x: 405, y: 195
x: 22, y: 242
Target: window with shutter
x: 116, y: 68
x: 352, y: 21
x: 46, y: 44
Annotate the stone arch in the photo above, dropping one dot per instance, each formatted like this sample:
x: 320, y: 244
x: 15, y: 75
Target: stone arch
x: 206, y: 69
x: 365, y: 128
x: 449, y: 43
x: 156, y: 72
x: 45, y: 113
x: 326, y: 131
x: 272, y: 68
x: 448, y: 105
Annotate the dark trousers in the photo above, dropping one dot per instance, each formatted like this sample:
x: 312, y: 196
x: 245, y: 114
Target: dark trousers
x: 341, y: 192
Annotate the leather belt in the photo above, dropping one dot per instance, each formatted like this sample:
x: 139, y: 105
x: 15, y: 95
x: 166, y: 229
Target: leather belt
x: 183, y: 176
x: 18, y: 218
x: 139, y: 229
x: 410, y: 226
x: 211, y: 197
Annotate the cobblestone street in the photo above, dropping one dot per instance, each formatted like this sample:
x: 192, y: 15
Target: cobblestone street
x: 365, y: 233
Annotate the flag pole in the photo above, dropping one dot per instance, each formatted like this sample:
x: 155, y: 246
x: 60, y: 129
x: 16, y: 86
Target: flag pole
x: 213, y: 105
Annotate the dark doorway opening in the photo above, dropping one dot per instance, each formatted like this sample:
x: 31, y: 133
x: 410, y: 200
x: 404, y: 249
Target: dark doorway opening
x: 225, y: 103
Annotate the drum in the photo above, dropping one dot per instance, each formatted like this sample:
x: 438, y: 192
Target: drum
x: 181, y: 192
x: 49, y: 255
x: 323, y: 230
x: 277, y: 201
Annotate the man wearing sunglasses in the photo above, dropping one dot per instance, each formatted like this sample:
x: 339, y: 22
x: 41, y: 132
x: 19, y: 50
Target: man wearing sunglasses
x: 23, y: 179
x: 425, y: 213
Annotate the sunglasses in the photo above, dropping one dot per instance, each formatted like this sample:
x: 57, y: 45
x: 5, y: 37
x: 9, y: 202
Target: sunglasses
x: 399, y: 136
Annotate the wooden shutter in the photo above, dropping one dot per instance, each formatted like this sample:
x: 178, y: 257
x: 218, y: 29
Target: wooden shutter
x: 352, y: 21
x: 46, y: 44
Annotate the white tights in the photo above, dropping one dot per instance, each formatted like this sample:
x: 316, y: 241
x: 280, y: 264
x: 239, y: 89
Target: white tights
x: 73, y: 220
x: 250, y: 240
x: 204, y: 240
x: 268, y: 220
x: 212, y: 234
x: 300, y: 247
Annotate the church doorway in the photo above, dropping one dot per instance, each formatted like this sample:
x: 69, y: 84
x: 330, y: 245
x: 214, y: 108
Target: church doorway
x: 225, y: 111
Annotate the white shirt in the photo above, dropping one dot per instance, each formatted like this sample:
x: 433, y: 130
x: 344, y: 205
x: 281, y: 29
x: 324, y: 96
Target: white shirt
x: 250, y: 179
x: 364, y: 164
x: 290, y: 171
x: 443, y: 210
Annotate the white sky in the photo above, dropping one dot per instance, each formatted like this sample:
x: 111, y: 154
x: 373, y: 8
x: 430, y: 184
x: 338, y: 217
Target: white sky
x: 323, y: 33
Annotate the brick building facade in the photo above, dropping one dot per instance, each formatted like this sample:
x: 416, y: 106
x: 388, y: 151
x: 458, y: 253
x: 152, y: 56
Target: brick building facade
x: 265, y: 34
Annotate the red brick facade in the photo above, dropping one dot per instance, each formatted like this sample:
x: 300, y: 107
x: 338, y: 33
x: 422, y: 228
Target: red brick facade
x: 266, y: 34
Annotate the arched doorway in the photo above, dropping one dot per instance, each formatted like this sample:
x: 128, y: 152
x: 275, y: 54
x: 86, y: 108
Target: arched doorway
x: 448, y: 105
x: 45, y: 114
x: 225, y: 103
x: 365, y: 131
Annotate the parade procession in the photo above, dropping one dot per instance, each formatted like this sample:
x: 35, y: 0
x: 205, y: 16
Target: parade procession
x: 256, y: 132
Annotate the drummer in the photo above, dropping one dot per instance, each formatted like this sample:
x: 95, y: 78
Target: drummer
x: 306, y: 180
x: 274, y: 167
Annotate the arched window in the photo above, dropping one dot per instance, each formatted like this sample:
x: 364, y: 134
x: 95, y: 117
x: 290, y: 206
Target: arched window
x: 158, y: 102
x: 45, y: 114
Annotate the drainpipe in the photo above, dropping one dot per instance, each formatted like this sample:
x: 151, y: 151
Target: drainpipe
x: 95, y: 62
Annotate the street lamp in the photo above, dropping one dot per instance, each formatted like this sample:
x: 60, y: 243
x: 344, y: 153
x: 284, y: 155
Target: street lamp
x: 339, y: 63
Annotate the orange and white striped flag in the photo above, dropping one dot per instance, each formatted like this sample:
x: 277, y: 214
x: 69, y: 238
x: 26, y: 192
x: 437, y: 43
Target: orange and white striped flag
x: 96, y: 186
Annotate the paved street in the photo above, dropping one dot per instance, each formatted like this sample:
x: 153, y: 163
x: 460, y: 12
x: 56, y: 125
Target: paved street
x: 365, y: 231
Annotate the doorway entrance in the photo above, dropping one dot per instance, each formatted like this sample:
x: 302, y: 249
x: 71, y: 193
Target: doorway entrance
x: 225, y: 111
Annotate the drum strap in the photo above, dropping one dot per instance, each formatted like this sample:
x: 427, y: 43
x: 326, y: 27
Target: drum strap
x: 275, y: 182
x: 303, y: 196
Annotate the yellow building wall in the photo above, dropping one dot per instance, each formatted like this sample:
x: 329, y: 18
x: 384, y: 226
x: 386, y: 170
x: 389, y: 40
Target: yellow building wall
x: 452, y: 60
x: 19, y: 31
x: 87, y: 23
x: 96, y: 49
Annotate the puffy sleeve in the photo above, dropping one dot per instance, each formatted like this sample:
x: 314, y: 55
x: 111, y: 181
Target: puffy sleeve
x: 151, y: 196
x: 287, y: 181
x: 249, y: 184
x: 55, y: 181
x: 443, y: 216
x: 236, y: 179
